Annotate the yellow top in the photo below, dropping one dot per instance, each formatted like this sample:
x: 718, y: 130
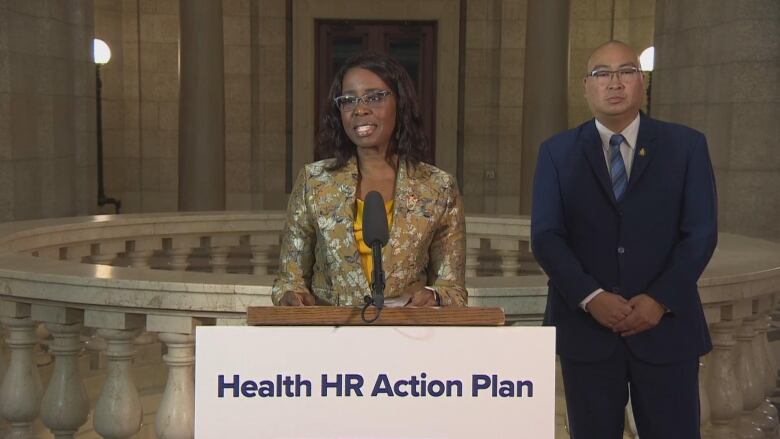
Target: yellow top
x: 365, y: 251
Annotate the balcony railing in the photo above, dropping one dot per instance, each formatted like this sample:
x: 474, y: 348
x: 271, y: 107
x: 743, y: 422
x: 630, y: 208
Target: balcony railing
x: 88, y: 306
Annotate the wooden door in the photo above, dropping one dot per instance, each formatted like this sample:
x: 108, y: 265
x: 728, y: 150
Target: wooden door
x: 412, y: 43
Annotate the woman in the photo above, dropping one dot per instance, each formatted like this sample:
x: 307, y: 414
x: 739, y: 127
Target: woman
x: 373, y: 135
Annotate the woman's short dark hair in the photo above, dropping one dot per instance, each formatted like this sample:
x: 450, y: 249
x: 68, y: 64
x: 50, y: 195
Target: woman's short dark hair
x: 408, y: 139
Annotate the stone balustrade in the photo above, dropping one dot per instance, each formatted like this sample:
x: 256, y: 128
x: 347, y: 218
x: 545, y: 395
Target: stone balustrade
x: 104, y: 296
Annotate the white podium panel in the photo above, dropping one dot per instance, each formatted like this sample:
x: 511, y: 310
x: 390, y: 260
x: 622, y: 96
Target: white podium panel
x: 375, y: 382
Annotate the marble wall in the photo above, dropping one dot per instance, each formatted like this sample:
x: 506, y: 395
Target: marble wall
x: 47, y: 109
x: 141, y: 102
x: 141, y: 89
x: 270, y: 78
x: 594, y: 22
x: 237, y: 53
x: 493, y: 113
x: 718, y: 70
x: 143, y: 170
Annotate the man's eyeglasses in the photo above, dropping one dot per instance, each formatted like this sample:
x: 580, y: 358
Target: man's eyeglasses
x: 372, y: 99
x: 604, y: 77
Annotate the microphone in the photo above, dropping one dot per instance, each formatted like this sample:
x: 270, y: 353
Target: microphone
x: 375, y: 235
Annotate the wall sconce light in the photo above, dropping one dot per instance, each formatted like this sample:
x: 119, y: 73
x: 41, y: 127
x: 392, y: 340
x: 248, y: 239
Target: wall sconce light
x: 647, y: 62
x: 102, y: 55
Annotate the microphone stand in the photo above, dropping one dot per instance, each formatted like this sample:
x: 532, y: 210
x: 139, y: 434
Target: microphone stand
x: 377, y: 297
x: 375, y: 234
x: 378, y: 277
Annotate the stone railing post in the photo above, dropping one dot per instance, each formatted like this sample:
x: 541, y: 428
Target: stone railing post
x: 21, y: 391
x: 175, y: 417
x: 179, y: 257
x: 261, y: 245
x: 221, y: 245
x: 561, y: 414
x: 767, y: 410
x: 181, y: 249
x: 104, y: 253
x: 771, y: 365
x: 65, y: 404
x: 75, y: 252
x: 509, y: 264
x: 508, y: 251
x: 749, y: 379
x: 48, y: 253
x: 722, y: 387
x: 704, y: 396
x: 118, y: 411
x: 763, y: 415
x: 140, y: 251
x: 528, y: 264
x: 3, y: 355
x: 140, y: 258
x: 473, y: 250
x: 219, y: 259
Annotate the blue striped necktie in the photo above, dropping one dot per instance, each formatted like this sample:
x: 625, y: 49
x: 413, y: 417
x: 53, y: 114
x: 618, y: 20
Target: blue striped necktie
x: 617, y: 169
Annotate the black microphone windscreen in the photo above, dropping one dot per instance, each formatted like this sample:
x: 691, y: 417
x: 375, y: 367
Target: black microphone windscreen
x: 374, y: 219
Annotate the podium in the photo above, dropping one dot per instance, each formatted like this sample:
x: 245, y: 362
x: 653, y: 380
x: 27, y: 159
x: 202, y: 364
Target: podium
x: 390, y: 316
x: 414, y: 373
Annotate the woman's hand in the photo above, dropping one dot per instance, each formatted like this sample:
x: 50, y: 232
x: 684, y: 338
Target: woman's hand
x: 423, y: 297
x: 297, y: 298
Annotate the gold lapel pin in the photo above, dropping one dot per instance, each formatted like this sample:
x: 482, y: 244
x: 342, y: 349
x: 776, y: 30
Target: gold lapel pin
x: 642, y: 152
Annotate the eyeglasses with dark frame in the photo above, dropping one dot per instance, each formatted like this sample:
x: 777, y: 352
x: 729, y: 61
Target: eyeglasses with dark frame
x: 604, y: 77
x: 371, y: 99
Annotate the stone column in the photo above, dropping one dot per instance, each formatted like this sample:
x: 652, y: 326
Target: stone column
x: 545, y: 110
x: 201, y: 107
x: 47, y: 110
x: 716, y: 69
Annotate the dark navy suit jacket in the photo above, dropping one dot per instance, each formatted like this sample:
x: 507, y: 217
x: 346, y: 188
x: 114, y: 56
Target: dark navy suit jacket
x: 657, y: 239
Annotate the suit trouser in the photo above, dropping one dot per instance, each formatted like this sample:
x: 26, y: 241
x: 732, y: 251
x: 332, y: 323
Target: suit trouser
x: 665, y: 398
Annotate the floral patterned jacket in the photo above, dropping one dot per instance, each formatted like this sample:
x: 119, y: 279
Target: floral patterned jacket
x: 427, y: 242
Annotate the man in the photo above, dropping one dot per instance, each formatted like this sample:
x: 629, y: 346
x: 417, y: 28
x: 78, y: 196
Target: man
x: 623, y: 223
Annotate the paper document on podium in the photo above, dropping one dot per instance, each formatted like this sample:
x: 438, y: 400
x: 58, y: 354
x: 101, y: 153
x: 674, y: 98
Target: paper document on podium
x: 398, y: 302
